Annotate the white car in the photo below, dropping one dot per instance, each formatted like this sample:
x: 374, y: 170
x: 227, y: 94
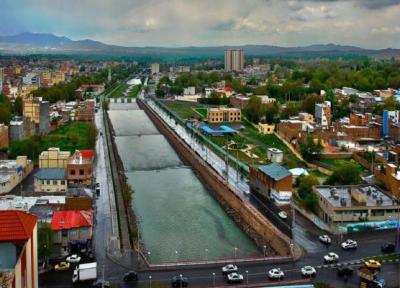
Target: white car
x: 283, y: 215
x: 308, y: 271
x: 331, y: 257
x: 230, y: 268
x: 276, y: 273
x: 235, y: 278
x: 325, y: 239
x: 73, y: 259
x: 349, y: 244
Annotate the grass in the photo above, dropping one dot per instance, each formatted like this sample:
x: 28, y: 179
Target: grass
x: 134, y: 91
x: 184, y: 110
x: 386, y: 257
x: 202, y: 111
x: 335, y: 162
x: 118, y: 91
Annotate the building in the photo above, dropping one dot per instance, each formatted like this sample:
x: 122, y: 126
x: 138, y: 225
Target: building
x: 323, y: 114
x: 3, y: 136
x: 189, y: 90
x: 234, y: 60
x: 1, y: 78
x: 275, y: 155
x: 12, y: 172
x: 54, y: 158
x: 18, y: 249
x: 389, y: 174
x: 265, y: 128
x: 85, y: 111
x: 272, y: 182
x: 72, y: 226
x: 80, y: 168
x: 351, y: 204
x: 51, y: 180
x: 38, y: 111
x: 222, y: 114
x: 155, y: 68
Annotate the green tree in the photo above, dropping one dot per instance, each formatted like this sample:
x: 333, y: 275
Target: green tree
x: 309, y: 102
x: 45, y: 241
x: 18, y: 106
x: 306, y: 193
x: 253, y: 109
x: 92, y: 135
x: 310, y: 150
x: 345, y: 173
x: 271, y: 113
x: 5, y: 109
x: 105, y: 105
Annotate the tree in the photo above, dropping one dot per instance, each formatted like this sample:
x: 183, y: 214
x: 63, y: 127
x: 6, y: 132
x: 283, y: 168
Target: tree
x: 45, y: 241
x: 5, y: 109
x: 271, y: 113
x: 253, y: 109
x: 105, y: 105
x: 310, y: 150
x: 306, y: 193
x: 92, y: 135
x: 310, y: 101
x: 18, y: 106
x: 345, y: 173
x: 160, y: 93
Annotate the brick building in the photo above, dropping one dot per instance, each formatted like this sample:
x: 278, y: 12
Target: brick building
x: 85, y: 111
x: 3, y: 136
x: 80, y: 168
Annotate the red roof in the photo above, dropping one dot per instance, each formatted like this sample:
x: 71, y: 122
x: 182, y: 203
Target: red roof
x: 16, y: 225
x: 228, y: 89
x: 69, y: 219
x: 87, y: 153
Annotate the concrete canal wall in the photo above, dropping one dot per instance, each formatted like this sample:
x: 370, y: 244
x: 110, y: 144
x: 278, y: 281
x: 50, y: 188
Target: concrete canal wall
x: 279, y: 242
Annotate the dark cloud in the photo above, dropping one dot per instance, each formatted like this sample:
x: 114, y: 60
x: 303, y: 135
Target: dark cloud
x: 369, y: 4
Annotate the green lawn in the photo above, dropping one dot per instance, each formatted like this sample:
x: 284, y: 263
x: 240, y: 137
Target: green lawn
x: 69, y: 137
x: 135, y: 90
x: 202, y: 111
x: 334, y: 162
x: 118, y: 91
x: 184, y: 110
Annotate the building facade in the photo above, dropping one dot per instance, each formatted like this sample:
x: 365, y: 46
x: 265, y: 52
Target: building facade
x: 54, y: 158
x: 12, y: 172
x: 221, y: 114
x: 80, y: 168
x: 51, y: 180
x: 234, y: 60
x: 3, y: 136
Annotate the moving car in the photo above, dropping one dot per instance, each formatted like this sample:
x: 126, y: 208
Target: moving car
x: 349, y: 244
x: 101, y: 284
x: 62, y: 266
x: 345, y: 271
x: 130, y: 276
x: 235, y: 278
x: 283, y: 215
x: 276, y: 273
x: 179, y: 281
x: 325, y: 239
x: 230, y: 268
x: 388, y: 248
x: 308, y: 271
x: 73, y: 259
x: 372, y: 264
x: 331, y: 257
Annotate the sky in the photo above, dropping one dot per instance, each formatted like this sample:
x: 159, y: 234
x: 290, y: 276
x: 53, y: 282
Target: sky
x: 173, y: 23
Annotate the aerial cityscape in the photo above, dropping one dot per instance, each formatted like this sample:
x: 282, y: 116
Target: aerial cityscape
x: 225, y: 143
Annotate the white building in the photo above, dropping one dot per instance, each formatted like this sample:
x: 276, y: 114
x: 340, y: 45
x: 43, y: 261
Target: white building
x: 275, y: 155
x: 189, y: 90
x: 155, y: 68
x: 234, y: 60
x: 323, y: 114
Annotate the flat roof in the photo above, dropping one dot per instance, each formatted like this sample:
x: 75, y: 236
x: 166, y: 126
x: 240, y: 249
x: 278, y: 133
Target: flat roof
x: 335, y: 194
x: 275, y: 171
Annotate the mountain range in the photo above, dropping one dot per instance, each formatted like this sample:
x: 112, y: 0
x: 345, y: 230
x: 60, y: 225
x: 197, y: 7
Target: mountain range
x: 29, y: 43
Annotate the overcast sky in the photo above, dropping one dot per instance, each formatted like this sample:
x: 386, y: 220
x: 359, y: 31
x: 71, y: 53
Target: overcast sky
x: 365, y: 23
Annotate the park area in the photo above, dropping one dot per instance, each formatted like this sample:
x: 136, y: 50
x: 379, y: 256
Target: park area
x: 187, y: 110
x: 118, y: 91
x: 69, y: 137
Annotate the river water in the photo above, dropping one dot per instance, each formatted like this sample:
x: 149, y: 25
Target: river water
x: 179, y: 219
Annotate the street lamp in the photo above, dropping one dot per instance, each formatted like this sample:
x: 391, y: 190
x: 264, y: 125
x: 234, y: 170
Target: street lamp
x: 291, y: 249
x: 265, y: 250
x: 150, y: 280
x: 213, y: 279
x: 176, y: 253
x: 235, y: 252
x: 206, y: 250
x: 247, y: 277
x: 180, y: 280
x: 148, y: 255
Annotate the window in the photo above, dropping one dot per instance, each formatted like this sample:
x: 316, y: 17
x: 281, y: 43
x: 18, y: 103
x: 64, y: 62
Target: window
x: 64, y: 233
x: 54, y: 182
x: 62, y: 182
x: 72, y: 172
x: 48, y: 182
x: 73, y: 232
x: 81, y: 172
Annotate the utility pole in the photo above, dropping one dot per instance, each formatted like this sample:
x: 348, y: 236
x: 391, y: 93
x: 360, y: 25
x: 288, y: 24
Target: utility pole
x: 102, y: 283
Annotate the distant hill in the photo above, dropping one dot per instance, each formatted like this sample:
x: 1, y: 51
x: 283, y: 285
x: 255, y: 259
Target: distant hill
x: 27, y: 42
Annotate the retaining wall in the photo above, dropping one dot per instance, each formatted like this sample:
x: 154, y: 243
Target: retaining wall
x: 248, y: 214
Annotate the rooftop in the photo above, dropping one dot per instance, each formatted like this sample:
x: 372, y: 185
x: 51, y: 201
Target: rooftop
x: 69, y: 219
x: 349, y: 196
x: 51, y: 174
x: 275, y: 171
x: 16, y: 225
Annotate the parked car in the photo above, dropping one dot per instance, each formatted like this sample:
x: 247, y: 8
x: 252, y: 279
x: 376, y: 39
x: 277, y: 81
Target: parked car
x: 276, y: 273
x: 349, y: 244
x: 372, y: 264
x: 345, y: 271
x: 101, y: 284
x: 235, y: 278
x: 179, y: 281
x: 62, y: 266
x: 325, y: 239
x: 331, y: 257
x: 308, y: 271
x: 130, y: 276
x: 73, y: 259
x: 388, y: 248
x: 283, y: 215
x: 230, y: 268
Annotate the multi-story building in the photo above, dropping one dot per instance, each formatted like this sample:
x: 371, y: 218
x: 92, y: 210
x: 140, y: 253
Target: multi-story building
x: 1, y: 78
x: 222, y: 114
x: 80, y: 168
x: 71, y: 226
x: 339, y: 205
x: 323, y: 114
x: 85, y: 111
x: 273, y: 182
x: 234, y: 60
x: 12, y: 172
x: 54, y: 158
x: 155, y: 68
x: 389, y: 174
x: 38, y: 111
x: 18, y: 249
x: 51, y: 180
x: 3, y: 136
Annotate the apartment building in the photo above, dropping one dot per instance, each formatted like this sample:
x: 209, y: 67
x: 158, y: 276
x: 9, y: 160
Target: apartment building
x: 38, y: 111
x: 234, y: 60
x: 12, y: 172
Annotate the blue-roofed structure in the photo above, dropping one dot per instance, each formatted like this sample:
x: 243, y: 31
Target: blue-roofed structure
x: 51, y: 174
x: 222, y: 130
x: 275, y: 171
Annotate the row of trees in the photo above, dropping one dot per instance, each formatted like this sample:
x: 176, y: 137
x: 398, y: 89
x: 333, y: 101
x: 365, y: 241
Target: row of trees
x: 8, y: 109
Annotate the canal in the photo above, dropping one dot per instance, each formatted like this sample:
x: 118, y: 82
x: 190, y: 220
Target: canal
x: 179, y: 219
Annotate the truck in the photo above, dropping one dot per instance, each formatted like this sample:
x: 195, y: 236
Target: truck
x: 85, y: 272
